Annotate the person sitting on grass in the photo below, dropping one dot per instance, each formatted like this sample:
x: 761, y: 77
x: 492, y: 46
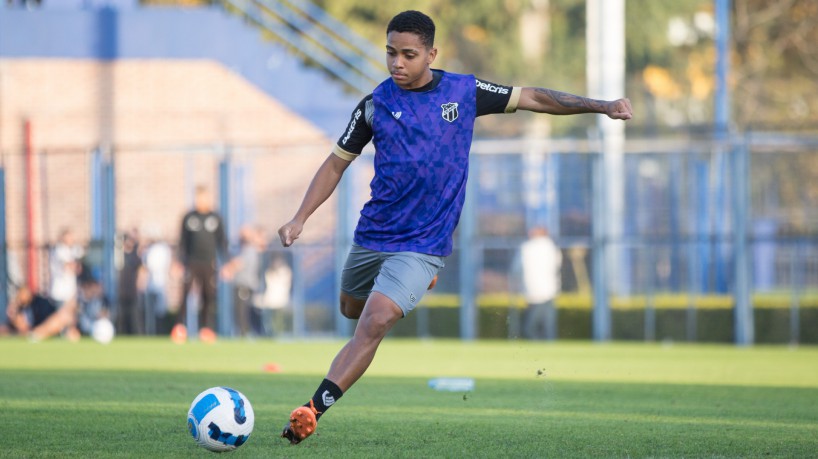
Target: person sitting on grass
x: 27, y: 310
x: 75, y: 317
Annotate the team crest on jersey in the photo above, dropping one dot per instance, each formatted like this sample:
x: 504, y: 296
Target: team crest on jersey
x: 449, y: 111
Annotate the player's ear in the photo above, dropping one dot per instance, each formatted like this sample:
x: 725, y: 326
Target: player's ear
x: 432, y: 56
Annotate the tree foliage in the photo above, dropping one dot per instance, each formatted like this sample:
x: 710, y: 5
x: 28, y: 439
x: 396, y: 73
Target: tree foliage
x: 775, y: 63
x: 670, y: 53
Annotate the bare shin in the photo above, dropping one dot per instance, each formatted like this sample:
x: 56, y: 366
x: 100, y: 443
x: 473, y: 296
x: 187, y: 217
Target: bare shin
x: 377, y: 318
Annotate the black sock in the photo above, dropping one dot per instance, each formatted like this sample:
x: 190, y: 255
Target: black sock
x: 327, y: 394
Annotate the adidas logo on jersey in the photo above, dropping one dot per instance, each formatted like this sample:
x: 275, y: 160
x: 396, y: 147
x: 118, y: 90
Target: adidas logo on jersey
x: 397, y: 115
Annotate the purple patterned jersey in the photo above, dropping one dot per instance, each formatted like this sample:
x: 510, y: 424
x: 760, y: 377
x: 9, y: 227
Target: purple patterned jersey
x: 422, y: 142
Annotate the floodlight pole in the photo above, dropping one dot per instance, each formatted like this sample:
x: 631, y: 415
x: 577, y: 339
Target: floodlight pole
x: 740, y: 169
x: 605, y: 70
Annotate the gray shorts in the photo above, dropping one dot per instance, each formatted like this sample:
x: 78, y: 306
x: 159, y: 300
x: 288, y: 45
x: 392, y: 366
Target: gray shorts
x: 402, y: 276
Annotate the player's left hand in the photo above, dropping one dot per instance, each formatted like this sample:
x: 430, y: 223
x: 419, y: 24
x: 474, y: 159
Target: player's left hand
x: 619, y: 109
x: 290, y: 232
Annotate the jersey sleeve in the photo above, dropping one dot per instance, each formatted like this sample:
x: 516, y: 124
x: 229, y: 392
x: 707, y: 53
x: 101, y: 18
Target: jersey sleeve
x: 358, y: 132
x: 496, y: 98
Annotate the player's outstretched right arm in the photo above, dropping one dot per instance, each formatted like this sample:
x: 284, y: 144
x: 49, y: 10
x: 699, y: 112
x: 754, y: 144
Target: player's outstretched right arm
x: 544, y: 100
x: 321, y: 188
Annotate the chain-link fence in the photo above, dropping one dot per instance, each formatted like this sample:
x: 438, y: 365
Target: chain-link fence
x: 674, y: 252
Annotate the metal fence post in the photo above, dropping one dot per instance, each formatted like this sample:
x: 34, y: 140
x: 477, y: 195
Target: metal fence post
x: 103, y: 222
x: 797, y: 279
x: 224, y: 294
x: 298, y: 301
x: 343, y: 238
x: 109, y: 274
x: 468, y: 267
x: 744, y: 323
x: 650, y: 306
x: 601, y: 321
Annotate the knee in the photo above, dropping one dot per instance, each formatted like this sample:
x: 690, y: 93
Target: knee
x: 379, y: 317
x: 372, y: 328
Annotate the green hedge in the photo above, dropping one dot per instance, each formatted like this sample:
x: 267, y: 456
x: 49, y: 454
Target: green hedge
x: 711, y: 325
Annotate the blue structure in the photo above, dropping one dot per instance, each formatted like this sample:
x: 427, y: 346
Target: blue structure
x: 96, y: 30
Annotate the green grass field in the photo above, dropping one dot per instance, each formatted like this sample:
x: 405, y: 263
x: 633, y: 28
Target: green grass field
x: 130, y: 399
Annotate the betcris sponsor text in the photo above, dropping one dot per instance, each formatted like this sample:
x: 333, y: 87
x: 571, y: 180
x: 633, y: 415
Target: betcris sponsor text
x: 491, y: 87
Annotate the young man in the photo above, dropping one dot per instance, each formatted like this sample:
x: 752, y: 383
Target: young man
x: 202, y: 242
x: 421, y: 122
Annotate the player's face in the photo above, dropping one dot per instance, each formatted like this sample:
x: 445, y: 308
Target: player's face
x: 408, y: 60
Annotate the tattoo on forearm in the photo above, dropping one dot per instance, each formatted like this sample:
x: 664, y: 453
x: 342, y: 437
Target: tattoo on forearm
x: 571, y: 101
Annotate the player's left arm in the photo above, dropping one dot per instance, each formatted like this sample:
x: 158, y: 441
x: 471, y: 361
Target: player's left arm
x: 544, y: 100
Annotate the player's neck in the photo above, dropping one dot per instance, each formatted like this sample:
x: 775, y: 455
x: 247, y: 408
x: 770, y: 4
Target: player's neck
x: 431, y: 83
x: 427, y: 78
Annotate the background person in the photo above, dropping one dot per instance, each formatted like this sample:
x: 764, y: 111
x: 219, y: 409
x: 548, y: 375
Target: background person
x: 76, y: 317
x: 275, y: 297
x: 64, y: 266
x: 27, y: 310
x: 201, y: 242
x: 130, y: 317
x: 541, y: 270
x: 244, y: 271
x: 157, y: 260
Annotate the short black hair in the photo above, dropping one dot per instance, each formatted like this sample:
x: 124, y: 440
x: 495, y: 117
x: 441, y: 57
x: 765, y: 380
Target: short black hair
x: 414, y: 22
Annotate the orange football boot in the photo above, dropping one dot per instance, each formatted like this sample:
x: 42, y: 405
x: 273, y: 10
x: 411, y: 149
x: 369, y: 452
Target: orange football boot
x: 302, y: 424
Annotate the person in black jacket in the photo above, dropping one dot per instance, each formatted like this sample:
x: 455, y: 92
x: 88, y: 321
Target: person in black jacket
x: 130, y: 317
x: 201, y: 243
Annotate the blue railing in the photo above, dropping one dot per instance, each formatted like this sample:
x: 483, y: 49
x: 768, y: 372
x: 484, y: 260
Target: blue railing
x: 313, y: 34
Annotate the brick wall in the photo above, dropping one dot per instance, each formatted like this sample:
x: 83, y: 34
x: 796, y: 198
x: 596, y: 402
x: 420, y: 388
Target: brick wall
x: 168, y: 123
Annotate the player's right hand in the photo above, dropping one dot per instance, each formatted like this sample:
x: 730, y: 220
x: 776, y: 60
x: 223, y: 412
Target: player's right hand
x: 290, y: 232
x: 619, y: 109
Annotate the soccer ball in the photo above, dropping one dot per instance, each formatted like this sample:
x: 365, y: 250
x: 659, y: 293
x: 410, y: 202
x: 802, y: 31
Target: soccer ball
x: 102, y: 330
x: 220, y: 419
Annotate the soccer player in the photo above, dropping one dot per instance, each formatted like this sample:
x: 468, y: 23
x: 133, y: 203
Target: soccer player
x: 421, y: 122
